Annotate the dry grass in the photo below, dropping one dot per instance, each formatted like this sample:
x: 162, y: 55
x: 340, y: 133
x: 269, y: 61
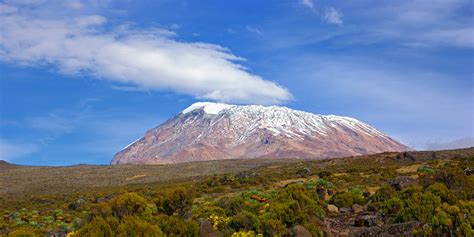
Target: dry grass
x: 25, y: 180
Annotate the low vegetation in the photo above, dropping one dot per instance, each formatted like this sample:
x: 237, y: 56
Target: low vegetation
x: 419, y: 193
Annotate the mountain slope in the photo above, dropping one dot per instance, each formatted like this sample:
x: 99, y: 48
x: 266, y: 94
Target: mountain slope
x: 209, y: 131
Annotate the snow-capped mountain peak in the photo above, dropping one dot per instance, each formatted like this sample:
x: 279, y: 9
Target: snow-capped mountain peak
x: 207, y: 130
x: 208, y: 107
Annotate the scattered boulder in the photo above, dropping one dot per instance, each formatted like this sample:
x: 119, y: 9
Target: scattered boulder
x: 356, y: 208
x: 332, y: 208
x: 469, y: 171
x: 205, y: 229
x: 344, y: 210
x: 402, y: 182
x: 304, y: 172
x: 369, y: 220
x: 401, y: 229
x: 77, y: 204
x: 298, y: 231
x: 367, y: 231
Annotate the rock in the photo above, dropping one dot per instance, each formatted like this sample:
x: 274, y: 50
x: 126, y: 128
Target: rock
x: 205, y: 229
x: 401, y: 229
x: 344, y: 210
x: 77, y: 204
x: 304, y: 172
x: 356, y: 208
x: 402, y: 182
x: 469, y: 171
x: 332, y: 208
x: 298, y: 231
x: 368, y: 220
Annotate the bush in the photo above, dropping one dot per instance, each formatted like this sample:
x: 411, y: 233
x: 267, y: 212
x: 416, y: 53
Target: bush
x: 128, y: 204
x: 443, y: 192
x: 175, y: 226
x: 272, y: 227
x: 385, y: 192
x: 245, y: 220
x: 133, y: 226
x: 455, y: 218
x: 176, y: 201
x: 418, y: 206
x: 97, y: 227
x: 347, y: 199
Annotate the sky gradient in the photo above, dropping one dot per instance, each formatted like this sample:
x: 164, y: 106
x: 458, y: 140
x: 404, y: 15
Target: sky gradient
x: 79, y: 80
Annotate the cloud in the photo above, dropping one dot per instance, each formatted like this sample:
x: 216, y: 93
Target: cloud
x: 145, y: 58
x: 422, y: 23
x: 10, y: 151
x: 333, y: 16
x: 307, y: 3
x: 254, y: 30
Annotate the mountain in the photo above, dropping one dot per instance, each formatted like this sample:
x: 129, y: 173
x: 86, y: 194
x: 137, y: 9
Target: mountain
x: 210, y: 131
x: 456, y: 144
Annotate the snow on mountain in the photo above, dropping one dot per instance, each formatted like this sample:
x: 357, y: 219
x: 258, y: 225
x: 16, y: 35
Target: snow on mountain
x: 208, y: 131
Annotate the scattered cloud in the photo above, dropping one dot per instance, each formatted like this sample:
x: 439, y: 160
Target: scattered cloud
x: 175, y: 26
x: 231, y: 31
x: 145, y: 58
x: 332, y: 16
x: 254, y: 30
x: 307, y: 3
x: 421, y: 23
x: 73, y: 5
x: 9, y: 151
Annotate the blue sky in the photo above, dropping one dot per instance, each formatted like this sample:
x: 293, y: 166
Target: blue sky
x: 82, y: 79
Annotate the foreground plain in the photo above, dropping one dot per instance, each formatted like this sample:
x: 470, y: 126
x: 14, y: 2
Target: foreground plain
x: 409, y: 193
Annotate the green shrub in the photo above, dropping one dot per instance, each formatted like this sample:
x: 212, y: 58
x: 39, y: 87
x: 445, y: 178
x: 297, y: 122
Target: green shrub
x: 97, y: 227
x: 175, y: 226
x: 417, y: 206
x: 128, y: 204
x: 347, y: 199
x: 443, y: 192
x: 272, y: 227
x: 176, y: 201
x: 245, y: 221
x: 133, y: 226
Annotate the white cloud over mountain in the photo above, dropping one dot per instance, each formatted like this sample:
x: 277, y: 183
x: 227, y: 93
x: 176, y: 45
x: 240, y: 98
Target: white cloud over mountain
x: 146, y: 58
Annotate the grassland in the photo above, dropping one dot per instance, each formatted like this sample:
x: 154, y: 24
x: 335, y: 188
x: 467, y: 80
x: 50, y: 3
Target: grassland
x: 245, y: 197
